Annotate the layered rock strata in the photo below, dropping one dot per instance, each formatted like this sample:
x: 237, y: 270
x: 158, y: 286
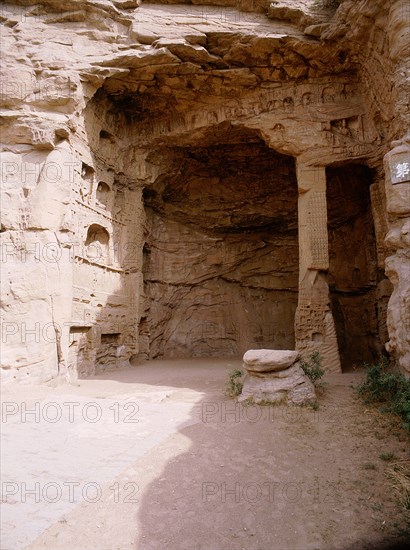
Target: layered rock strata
x: 182, y: 179
x: 275, y: 376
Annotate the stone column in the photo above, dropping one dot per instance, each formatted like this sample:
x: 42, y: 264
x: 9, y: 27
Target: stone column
x: 397, y: 186
x: 314, y: 324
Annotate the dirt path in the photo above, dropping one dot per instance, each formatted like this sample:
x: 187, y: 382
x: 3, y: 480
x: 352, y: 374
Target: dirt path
x: 156, y: 458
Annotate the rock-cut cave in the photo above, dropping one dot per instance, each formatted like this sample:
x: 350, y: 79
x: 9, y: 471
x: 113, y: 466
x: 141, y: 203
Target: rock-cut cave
x: 183, y: 180
x: 221, y: 258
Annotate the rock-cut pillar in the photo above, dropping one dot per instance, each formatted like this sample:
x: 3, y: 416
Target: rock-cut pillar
x: 397, y: 186
x: 314, y: 323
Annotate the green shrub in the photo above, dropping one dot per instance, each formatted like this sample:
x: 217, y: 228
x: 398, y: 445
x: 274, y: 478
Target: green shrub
x: 235, y: 385
x: 388, y: 457
x: 312, y: 367
x: 388, y: 387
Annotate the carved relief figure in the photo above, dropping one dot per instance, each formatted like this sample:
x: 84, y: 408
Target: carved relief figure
x: 97, y: 244
x: 329, y: 95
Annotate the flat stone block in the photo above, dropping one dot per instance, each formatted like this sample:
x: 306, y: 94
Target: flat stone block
x: 269, y: 360
x: 290, y: 385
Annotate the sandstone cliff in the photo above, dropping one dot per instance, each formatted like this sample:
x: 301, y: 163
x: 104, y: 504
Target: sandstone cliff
x: 188, y: 179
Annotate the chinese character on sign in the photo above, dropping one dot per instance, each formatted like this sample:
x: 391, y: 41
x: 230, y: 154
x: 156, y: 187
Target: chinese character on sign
x: 402, y: 170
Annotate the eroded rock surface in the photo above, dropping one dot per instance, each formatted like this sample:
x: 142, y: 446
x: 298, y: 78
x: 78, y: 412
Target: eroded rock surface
x: 269, y: 360
x: 275, y: 376
x: 289, y: 386
x: 183, y: 180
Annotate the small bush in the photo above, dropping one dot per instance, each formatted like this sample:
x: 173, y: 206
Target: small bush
x: 388, y: 387
x: 312, y: 367
x: 369, y: 466
x: 387, y: 457
x: 399, y: 473
x: 235, y: 385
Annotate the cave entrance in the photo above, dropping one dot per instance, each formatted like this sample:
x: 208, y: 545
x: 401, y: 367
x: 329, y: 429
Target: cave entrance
x: 221, y: 254
x: 353, y: 272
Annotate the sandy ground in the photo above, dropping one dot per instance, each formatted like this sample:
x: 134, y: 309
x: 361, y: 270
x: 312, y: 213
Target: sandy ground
x: 156, y: 457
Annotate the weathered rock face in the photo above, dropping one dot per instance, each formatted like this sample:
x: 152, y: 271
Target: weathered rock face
x: 189, y: 180
x: 397, y: 163
x: 221, y: 257
x: 289, y: 386
x: 269, y: 360
x: 276, y: 376
x: 359, y: 309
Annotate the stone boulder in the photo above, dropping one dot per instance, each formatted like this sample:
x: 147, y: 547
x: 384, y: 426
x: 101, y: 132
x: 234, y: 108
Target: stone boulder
x: 276, y: 376
x: 269, y: 360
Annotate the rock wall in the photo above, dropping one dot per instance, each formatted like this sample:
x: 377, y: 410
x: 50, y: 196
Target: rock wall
x: 181, y: 179
x: 221, y: 257
x: 354, y: 278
